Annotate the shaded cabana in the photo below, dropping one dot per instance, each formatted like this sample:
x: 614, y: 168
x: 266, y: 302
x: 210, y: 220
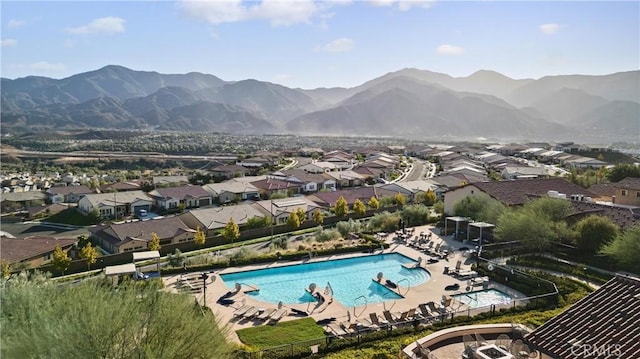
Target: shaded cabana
x: 117, y: 271
x: 143, y: 256
x: 458, y: 224
x: 484, y: 231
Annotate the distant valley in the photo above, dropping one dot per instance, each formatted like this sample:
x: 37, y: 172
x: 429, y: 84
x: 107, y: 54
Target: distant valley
x: 408, y: 103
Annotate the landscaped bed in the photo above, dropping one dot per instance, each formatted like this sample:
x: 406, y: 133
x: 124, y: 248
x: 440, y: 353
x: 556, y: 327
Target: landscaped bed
x: 267, y: 336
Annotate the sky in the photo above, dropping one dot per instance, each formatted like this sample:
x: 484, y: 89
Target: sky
x: 310, y: 44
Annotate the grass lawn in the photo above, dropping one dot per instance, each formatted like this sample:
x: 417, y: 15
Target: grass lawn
x: 70, y: 216
x: 266, y: 336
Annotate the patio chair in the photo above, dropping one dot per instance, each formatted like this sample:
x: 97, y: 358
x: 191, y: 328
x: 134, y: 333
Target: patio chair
x: 457, y: 268
x: 266, y: 314
x: 424, y: 311
x: 240, y: 311
x: 503, y: 341
x: 394, y: 318
x: 336, y: 330
x: 251, y: 312
x: 278, y: 314
x: 380, y: 323
x: 367, y: 324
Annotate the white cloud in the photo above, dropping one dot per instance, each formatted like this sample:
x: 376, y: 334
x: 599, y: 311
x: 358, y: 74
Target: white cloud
x: 104, y: 25
x: 403, y: 5
x: 14, y: 24
x: 277, y: 12
x: 549, y: 29
x: 339, y: 45
x: 43, y: 67
x: 9, y: 42
x: 450, y: 50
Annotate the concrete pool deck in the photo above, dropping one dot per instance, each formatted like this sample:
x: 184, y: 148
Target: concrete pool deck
x: 432, y: 290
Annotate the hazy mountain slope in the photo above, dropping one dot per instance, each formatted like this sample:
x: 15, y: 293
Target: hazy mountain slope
x: 109, y: 81
x: 624, y: 86
x: 216, y: 117
x: 565, y: 105
x: 279, y: 102
x: 620, y: 119
x: 415, y: 109
x: 163, y: 99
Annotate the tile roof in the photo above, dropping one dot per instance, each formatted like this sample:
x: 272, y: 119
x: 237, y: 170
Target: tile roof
x: 64, y: 190
x: 603, y: 189
x: 350, y: 195
x: 15, y: 249
x: 517, y: 192
x: 120, y: 198
x: 218, y: 217
x: 180, y: 193
x: 117, y: 234
x: 622, y: 216
x: 274, y: 184
x: 629, y: 183
x: 608, y: 319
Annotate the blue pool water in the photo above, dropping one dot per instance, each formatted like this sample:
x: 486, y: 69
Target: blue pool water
x: 350, y: 279
x: 483, y: 298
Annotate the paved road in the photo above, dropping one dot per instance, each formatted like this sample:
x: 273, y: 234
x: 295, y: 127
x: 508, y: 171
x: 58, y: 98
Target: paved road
x: 417, y: 171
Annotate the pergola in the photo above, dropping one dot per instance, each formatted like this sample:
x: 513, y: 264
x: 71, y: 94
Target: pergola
x: 141, y: 256
x: 480, y: 226
x: 458, y: 221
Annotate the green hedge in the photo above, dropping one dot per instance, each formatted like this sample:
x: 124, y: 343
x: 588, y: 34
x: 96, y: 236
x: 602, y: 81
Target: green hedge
x: 551, y: 264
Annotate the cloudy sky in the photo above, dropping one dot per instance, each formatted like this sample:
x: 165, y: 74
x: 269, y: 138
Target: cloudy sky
x: 310, y: 44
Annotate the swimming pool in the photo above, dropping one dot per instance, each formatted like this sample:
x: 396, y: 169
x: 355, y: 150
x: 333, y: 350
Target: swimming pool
x: 483, y: 298
x: 350, y: 279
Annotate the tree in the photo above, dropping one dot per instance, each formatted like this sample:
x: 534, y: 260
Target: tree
x: 133, y: 322
x: 531, y: 229
x: 302, y: 215
x: 94, y: 216
x: 293, y: 221
x: 231, y: 231
x: 400, y: 199
x: 341, y: 208
x: 61, y: 259
x: 555, y: 209
x: 430, y: 198
x: 90, y: 254
x: 154, y: 244
x: 595, y: 231
x: 625, y: 249
x: 373, y: 203
x: 480, y: 208
x: 5, y: 269
x: 622, y: 171
x: 199, y: 237
x: 318, y: 217
x: 82, y: 241
x: 359, y: 208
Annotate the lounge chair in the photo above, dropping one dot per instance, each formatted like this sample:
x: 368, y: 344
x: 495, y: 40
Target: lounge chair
x: 367, y: 324
x: 279, y: 313
x: 393, y: 319
x: 337, y: 330
x: 240, y: 311
x: 425, y: 312
x: 251, y: 312
x: 380, y: 323
x: 266, y: 314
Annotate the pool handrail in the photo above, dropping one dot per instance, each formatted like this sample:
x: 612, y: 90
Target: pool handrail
x: 366, y: 302
x: 408, y: 286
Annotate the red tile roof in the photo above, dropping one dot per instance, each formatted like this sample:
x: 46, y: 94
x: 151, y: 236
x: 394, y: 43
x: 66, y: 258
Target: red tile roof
x: 605, y: 324
x: 629, y: 183
x: 517, y: 192
x: 19, y: 249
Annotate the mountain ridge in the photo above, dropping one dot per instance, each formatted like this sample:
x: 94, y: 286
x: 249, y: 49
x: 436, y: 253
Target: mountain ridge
x: 407, y: 102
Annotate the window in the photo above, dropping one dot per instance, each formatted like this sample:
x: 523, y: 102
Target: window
x: 637, y: 193
x: 624, y: 192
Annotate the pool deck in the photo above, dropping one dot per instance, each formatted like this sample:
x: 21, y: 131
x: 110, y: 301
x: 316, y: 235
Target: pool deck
x: 432, y: 290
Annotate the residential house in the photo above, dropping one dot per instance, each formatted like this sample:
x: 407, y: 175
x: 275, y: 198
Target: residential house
x: 585, y: 162
x: 67, y: 194
x: 340, y: 159
x: 309, y: 182
x: 346, y: 178
x: 32, y: 251
x: 269, y: 186
x: 117, y: 204
x: 318, y: 167
x: 215, y: 218
x: 364, y: 194
x: 411, y: 189
x: 310, y: 152
x: 226, y: 172
x: 172, y: 198
x: 255, y: 162
x: 519, y: 172
x: 232, y: 191
x: 627, y: 191
x: 136, y: 235
x: 20, y: 200
x: 514, y: 193
x: 602, y: 325
x: 170, y: 181
x: 280, y: 209
x: 122, y: 186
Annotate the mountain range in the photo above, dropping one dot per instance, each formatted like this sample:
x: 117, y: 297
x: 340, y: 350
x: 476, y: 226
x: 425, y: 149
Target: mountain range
x: 409, y: 103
